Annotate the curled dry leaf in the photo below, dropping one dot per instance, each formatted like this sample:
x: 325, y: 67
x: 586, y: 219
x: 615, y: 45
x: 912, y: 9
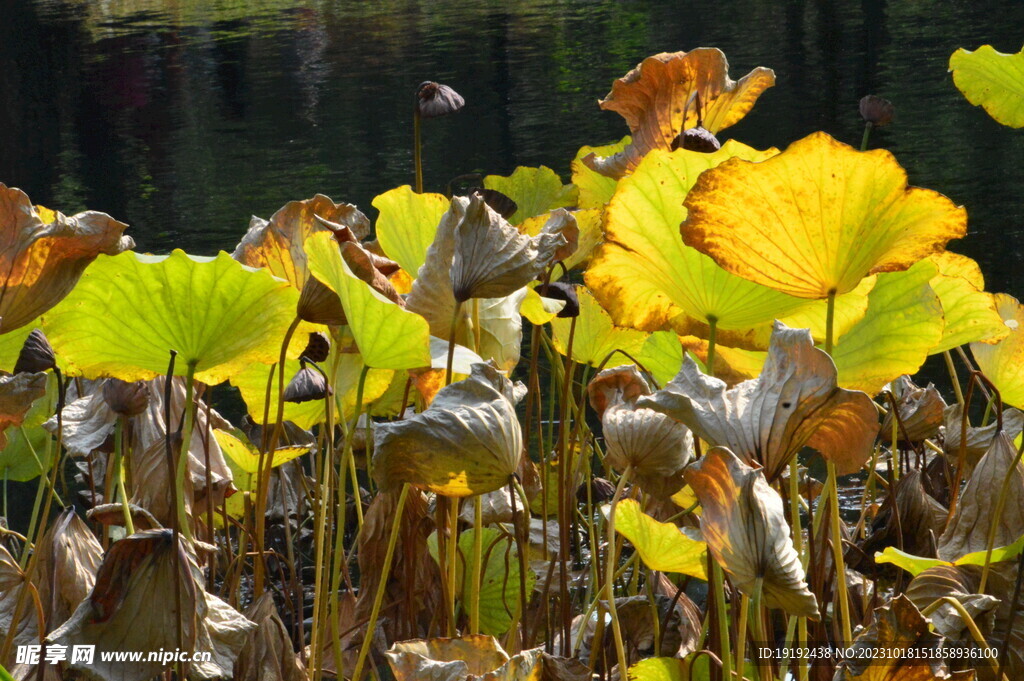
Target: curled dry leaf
x: 43, y: 252
x: 969, y: 528
x: 119, y: 615
x: 920, y: 412
x: 794, y: 403
x: 658, y: 100
x: 477, y: 658
x: 17, y: 393
x: 979, y: 439
x: 267, y: 654
x: 745, y: 527
x: 956, y: 582
x: 26, y: 629
x: 654, y: 445
x: 467, y: 442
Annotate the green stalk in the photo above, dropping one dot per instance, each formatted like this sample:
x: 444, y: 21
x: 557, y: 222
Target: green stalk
x: 478, y: 543
x: 186, y: 440
x: 867, y: 133
x: 417, y: 154
x: 382, y: 585
x: 953, y: 377
x: 712, y: 333
x: 319, y: 543
x: 718, y: 587
x: 764, y: 670
x: 453, y: 545
x: 609, y: 581
x: 451, y: 342
x: 129, y: 526
x: 741, y: 636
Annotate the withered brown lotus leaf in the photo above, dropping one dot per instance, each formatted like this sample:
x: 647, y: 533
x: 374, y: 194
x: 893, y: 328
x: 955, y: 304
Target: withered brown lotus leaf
x: 125, y: 399
x: 658, y: 101
x: 907, y: 519
x: 794, y: 403
x: 43, y: 252
x: 656, y: 446
x: 26, y: 630
x: 69, y: 557
x: 492, y: 259
x: 968, y: 530
x: 920, y: 410
x: 87, y: 422
x: 318, y: 304
x: 561, y: 221
x: 897, y: 646
x: 17, y: 393
x: 36, y: 354
x: 308, y: 384
x: 435, y: 99
x: 276, y: 244
x: 366, y: 266
x: 267, y: 654
x: 118, y: 614
x: 962, y: 584
x: 478, y: 658
x: 467, y: 442
x: 502, y: 204
x: 113, y: 514
x: 979, y: 439
x: 745, y: 526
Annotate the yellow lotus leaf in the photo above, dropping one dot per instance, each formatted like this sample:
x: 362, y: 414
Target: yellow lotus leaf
x: 744, y: 525
x: 247, y: 457
x: 969, y: 310
x: 658, y: 99
x: 1003, y: 362
x: 595, y: 189
x: 648, y: 279
x: 467, y: 442
x: 538, y: 309
x: 277, y: 244
x: 662, y: 546
x: 535, y: 191
x: 42, y: 254
x: 794, y: 403
x: 732, y: 365
x: 993, y: 80
x: 595, y: 337
x: 407, y: 224
x: 903, y: 322
x: 817, y: 218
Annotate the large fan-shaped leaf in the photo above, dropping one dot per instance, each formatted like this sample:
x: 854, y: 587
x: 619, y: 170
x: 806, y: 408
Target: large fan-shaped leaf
x: 535, y: 191
x: 817, y: 218
x: 970, y: 311
x: 595, y: 337
x: 595, y: 189
x: 129, y: 311
x: 662, y: 546
x: 407, y: 224
x: 993, y: 80
x: 1003, y: 362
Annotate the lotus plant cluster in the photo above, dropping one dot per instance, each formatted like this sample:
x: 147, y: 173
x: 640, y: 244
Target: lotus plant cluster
x: 647, y: 425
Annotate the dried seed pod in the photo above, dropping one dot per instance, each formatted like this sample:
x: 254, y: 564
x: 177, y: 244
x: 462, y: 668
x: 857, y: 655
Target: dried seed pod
x: 306, y: 385
x: 601, y: 491
x: 126, y: 399
x: 500, y: 203
x: 697, y: 138
x: 36, y: 354
x: 876, y: 111
x: 320, y: 305
x: 317, y: 347
x: 560, y: 290
x: 434, y: 99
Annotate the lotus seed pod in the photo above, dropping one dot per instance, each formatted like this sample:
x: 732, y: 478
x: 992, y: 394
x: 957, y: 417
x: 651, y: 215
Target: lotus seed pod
x: 434, y: 99
x: 876, y: 111
x: 317, y: 347
x: 559, y: 290
x: 36, y: 354
x: 126, y: 399
x: 697, y: 138
x: 305, y: 386
x: 500, y: 203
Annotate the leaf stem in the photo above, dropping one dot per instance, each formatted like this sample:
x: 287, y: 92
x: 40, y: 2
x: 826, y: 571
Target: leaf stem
x: 451, y: 342
x: 417, y: 154
x: 609, y: 580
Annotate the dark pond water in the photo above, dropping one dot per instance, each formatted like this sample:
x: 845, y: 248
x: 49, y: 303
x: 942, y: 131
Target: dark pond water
x: 185, y: 117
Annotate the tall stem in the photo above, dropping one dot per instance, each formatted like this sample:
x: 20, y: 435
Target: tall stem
x: 867, y: 133
x: 451, y: 342
x: 417, y: 157
x: 830, y: 321
x: 186, y: 440
x: 129, y: 526
x: 712, y: 333
x: 741, y: 636
x: 478, y: 547
x: 609, y: 574
x: 453, y: 546
x: 718, y: 586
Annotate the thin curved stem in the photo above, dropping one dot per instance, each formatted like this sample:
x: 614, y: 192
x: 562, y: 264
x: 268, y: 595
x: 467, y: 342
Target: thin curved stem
x: 609, y: 581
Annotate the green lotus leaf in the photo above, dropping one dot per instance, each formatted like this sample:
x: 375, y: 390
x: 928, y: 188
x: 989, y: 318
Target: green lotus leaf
x: 23, y: 452
x: 902, y: 324
x: 659, y: 669
x: 648, y: 279
x: 407, y: 224
x: 662, y: 546
x: 595, y: 337
x: 1003, y: 362
x: 467, y: 442
x: 535, y: 191
x: 992, y: 80
x: 915, y: 565
x: 388, y: 336
x: 42, y: 254
x: 536, y: 308
x: 595, y: 189
x: 662, y: 355
x: 130, y: 310
x: 970, y: 311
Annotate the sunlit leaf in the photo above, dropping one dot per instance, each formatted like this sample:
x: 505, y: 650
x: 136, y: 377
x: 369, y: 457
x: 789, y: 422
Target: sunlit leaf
x: 745, y: 526
x: 388, y: 336
x: 535, y: 191
x: 595, y: 337
x: 247, y: 457
x: 662, y: 546
x: 407, y: 224
x: 903, y: 322
x: 478, y: 658
x: 595, y: 189
x: 794, y: 403
x: 17, y: 393
x: 1003, y: 362
x: 662, y: 355
x: 993, y: 80
x: 915, y: 565
x: 538, y: 309
x: 658, y: 99
x: 42, y: 254
x: 817, y: 218
x: 129, y: 311
x: 970, y: 311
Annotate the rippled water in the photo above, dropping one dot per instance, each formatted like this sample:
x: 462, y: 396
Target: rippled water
x: 184, y: 118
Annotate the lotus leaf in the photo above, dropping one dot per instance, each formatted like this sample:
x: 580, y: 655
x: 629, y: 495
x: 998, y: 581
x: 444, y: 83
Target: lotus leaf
x: 745, y: 527
x: 908, y: 518
x: 478, y: 658
x: 277, y: 244
x: 968, y: 530
x: 407, y: 224
x: 596, y: 338
x: 915, y: 565
x: 947, y: 581
x: 816, y: 219
x: 993, y: 80
x: 467, y: 442
x: 69, y: 557
x: 969, y: 311
x: 129, y: 311
x: 595, y: 189
x: 662, y: 546
x: 794, y: 403
x: 662, y: 355
x: 540, y: 309
x: 43, y: 253
x: 660, y: 98
x: 535, y: 191
x: 17, y: 393
x: 246, y: 457
x: 388, y: 336
x: 12, y: 584
x: 1003, y: 362
x: 267, y: 653
x: 902, y: 324
x: 921, y: 411
x: 978, y: 439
